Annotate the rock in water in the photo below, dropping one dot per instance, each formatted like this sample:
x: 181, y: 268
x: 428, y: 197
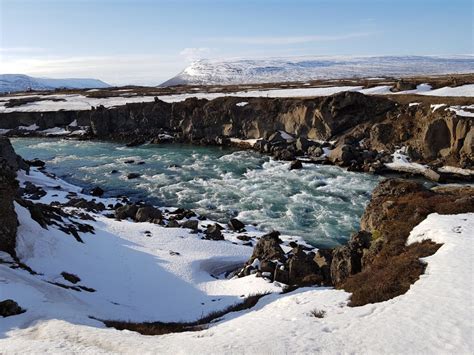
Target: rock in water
x: 133, y: 176
x: 296, y: 164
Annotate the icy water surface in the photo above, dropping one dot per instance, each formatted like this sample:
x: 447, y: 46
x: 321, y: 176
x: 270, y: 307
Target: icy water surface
x: 323, y: 204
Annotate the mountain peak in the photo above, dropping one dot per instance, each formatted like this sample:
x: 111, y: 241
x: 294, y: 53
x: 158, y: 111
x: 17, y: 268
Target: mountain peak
x: 22, y: 82
x: 254, y: 71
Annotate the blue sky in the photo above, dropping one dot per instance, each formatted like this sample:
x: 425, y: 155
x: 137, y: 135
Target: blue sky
x: 144, y: 41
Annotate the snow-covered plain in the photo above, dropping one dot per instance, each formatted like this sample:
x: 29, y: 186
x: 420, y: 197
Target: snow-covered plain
x: 137, y: 278
x: 73, y: 102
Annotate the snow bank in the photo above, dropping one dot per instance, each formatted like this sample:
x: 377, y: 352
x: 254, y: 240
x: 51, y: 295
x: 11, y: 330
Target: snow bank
x: 434, y: 316
x: 463, y: 90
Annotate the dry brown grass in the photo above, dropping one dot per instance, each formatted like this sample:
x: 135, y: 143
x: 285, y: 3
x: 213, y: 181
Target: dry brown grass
x: 398, y: 266
x: 160, y: 328
x: 317, y: 313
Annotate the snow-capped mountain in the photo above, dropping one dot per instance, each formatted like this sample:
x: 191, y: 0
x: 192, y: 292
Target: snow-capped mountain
x: 21, y: 82
x: 246, y: 71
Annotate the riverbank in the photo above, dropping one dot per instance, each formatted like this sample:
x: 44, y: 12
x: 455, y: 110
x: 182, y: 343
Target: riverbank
x: 130, y: 271
x: 375, y: 134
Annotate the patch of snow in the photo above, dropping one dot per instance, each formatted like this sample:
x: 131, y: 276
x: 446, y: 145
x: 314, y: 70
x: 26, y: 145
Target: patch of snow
x: 377, y: 90
x: 402, y: 163
x: 32, y: 127
x: 242, y: 104
x: 463, y: 90
x: 461, y: 110
x: 286, y: 136
x: 56, y: 131
x: 79, y: 102
x: 437, y: 106
x: 413, y: 104
x: 455, y: 170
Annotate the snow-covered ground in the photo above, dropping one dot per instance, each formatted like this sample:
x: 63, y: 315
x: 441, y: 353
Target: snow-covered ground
x: 136, y: 277
x: 80, y: 102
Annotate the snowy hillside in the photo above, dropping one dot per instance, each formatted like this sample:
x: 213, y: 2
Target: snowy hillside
x: 245, y: 71
x: 20, y: 82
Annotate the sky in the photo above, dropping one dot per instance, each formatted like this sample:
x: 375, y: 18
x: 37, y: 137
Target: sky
x: 148, y: 42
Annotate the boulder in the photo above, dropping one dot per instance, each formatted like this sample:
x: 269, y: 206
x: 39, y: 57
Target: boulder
x: 173, y: 224
x: 276, y: 138
x: 268, y: 248
x: 133, y: 176
x: 213, y: 232
x: 315, y: 151
x: 127, y: 211
x: 97, y: 191
x: 347, y: 260
x: 323, y: 258
x: 235, y: 224
x: 147, y: 214
x: 296, y: 164
x: 342, y: 154
x: 300, y: 266
x: 10, y: 308
x: 190, y: 224
x: 85, y: 204
x: 284, y: 154
x: 36, y: 163
x: 302, y: 144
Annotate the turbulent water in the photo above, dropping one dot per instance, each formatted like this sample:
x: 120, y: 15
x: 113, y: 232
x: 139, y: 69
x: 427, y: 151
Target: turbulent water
x: 323, y: 204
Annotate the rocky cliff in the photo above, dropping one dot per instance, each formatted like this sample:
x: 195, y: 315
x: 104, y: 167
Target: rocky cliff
x: 362, y: 126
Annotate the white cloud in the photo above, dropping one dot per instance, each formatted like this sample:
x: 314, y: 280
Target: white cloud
x: 279, y: 40
x: 192, y: 54
x: 19, y: 50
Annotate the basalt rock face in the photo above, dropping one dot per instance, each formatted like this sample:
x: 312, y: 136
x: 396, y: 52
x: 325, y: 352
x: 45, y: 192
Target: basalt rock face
x: 196, y: 119
x: 9, y: 164
x: 431, y: 136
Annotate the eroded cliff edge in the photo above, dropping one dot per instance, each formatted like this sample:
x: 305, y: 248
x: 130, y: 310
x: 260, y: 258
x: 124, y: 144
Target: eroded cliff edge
x: 363, y: 128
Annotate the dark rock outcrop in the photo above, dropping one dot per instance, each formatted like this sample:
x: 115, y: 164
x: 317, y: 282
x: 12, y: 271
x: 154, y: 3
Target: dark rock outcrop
x: 213, y: 232
x: 148, y: 214
x: 297, y: 268
x: 235, y: 224
x: 9, y: 164
x: 10, y: 308
x: 97, y: 191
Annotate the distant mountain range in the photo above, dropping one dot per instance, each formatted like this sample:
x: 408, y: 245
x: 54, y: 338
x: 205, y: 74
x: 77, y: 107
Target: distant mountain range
x: 247, y: 71
x: 20, y: 82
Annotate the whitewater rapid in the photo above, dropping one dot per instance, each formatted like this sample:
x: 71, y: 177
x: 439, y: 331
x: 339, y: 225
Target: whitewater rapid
x: 322, y: 204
